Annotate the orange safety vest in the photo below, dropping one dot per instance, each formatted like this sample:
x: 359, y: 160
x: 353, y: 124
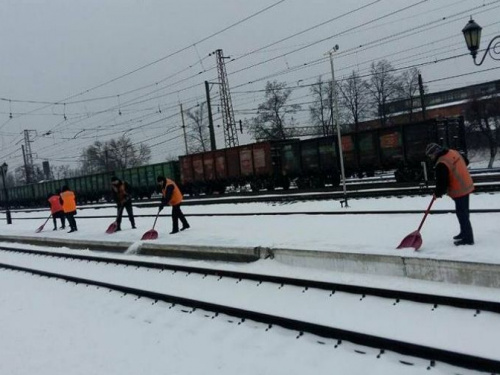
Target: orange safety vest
x: 69, y: 201
x: 55, y: 204
x: 176, y: 194
x: 459, y: 180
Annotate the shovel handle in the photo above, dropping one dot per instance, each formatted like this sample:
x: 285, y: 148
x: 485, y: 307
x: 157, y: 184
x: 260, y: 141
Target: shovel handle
x: 47, y: 219
x: 426, y: 213
x: 156, y: 218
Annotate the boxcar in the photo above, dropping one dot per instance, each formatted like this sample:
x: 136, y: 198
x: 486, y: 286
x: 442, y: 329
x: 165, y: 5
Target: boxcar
x: 258, y: 164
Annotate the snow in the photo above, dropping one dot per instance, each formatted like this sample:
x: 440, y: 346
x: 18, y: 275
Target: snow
x: 370, y: 234
x: 64, y: 328
x: 71, y: 329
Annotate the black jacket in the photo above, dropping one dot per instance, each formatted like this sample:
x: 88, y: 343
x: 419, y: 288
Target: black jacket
x: 128, y: 193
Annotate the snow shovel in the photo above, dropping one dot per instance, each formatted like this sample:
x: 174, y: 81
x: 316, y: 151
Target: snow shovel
x: 113, y: 226
x: 41, y: 227
x: 414, y: 239
x: 151, y: 234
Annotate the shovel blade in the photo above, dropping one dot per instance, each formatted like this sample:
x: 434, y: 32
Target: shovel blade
x: 150, y: 235
x: 414, y: 240
x: 40, y: 229
x: 112, y: 228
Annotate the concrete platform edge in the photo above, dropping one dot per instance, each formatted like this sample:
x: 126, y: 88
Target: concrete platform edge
x: 438, y: 270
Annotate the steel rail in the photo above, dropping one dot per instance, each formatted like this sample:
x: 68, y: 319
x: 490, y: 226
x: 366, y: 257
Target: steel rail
x: 396, y: 295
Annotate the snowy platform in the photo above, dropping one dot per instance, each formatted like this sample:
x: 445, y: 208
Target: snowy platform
x: 467, y: 273
x: 363, y: 244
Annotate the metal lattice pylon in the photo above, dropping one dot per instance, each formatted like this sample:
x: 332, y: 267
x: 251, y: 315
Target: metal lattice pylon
x: 228, y: 122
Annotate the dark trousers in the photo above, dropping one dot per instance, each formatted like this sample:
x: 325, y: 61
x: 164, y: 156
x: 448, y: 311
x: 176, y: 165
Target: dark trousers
x: 70, y: 216
x: 462, y: 209
x: 59, y: 215
x: 130, y: 212
x: 176, y: 215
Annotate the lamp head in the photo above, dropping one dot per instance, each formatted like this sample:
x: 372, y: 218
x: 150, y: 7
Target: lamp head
x: 472, y: 35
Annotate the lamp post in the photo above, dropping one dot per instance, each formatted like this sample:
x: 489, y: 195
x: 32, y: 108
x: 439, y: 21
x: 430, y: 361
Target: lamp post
x: 337, y: 122
x: 4, y: 167
x: 472, y: 35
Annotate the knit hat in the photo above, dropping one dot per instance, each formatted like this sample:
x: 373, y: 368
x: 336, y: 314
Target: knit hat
x: 433, y: 149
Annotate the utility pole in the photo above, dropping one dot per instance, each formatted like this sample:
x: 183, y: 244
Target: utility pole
x: 28, y: 155
x: 26, y: 169
x: 184, y: 130
x: 228, y: 122
x: 339, y: 137
x: 422, y: 95
x: 213, y: 145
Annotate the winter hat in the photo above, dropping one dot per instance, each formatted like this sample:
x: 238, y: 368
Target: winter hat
x: 433, y: 149
x: 160, y: 179
x: 114, y: 178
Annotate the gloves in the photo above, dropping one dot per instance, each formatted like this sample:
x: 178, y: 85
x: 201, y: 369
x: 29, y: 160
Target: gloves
x: 161, y: 207
x: 438, y: 195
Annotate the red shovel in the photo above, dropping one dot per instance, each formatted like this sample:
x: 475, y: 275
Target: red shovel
x: 114, y: 226
x: 151, y: 234
x: 41, y: 227
x: 414, y: 239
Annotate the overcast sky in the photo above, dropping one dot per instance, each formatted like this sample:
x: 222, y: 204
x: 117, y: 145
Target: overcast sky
x: 59, y: 51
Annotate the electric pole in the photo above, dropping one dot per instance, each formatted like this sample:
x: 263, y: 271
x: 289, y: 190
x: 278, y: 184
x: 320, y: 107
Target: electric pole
x: 422, y: 95
x: 213, y: 145
x: 228, y: 122
x: 184, y: 130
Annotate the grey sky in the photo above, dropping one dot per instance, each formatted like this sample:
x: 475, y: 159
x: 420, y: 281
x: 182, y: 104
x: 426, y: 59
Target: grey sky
x: 54, y: 49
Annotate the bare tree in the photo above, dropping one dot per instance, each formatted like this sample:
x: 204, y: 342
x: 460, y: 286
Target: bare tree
x: 408, y: 90
x: 354, y: 97
x: 321, y: 109
x: 383, y: 87
x: 198, y: 134
x: 272, y: 121
x: 118, y: 153
x: 483, y: 116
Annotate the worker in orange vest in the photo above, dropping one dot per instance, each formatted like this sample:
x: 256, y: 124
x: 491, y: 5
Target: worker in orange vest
x: 56, y: 209
x: 453, y: 178
x: 172, y: 196
x: 69, y: 207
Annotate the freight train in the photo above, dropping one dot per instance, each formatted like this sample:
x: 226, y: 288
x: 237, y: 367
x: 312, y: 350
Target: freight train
x: 268, y: 165
x: 314, y: 162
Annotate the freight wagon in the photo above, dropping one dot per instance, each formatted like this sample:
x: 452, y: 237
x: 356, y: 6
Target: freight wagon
x: 257, y: 164
x: 95, y: 187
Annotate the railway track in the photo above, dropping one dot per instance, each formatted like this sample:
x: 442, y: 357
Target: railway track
x: 217, y: 284
x: 289, y: 198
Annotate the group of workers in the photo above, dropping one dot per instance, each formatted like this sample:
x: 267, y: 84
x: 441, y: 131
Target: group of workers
x: 63, y: 204
x: 452, y: 178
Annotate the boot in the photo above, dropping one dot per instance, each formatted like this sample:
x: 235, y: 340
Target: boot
x: 458, y: 236
x: 174, y: 232
x: 462, y: 241
x: 184, y: 227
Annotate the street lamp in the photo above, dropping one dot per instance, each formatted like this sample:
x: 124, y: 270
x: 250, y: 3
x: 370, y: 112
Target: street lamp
x: 339, y: 137
x: 4, y: 168
x: 472, y: 34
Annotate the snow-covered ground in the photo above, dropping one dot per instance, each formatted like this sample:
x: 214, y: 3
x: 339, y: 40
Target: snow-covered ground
x: 371, y: 234
x: 51, y: 327
x: 61, y: 328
